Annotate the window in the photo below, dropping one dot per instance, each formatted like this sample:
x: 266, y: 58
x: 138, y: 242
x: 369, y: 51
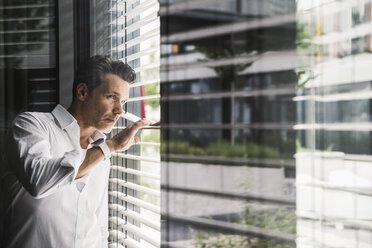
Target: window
x: 227, y: 115
x: 333, y: 153
x: 129, y: 30
x: 28, y: 58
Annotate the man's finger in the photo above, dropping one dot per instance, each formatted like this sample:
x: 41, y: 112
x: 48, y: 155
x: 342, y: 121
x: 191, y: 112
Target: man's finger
x: 142, y: 123
x: 145, y: 122
x: 132, y: 129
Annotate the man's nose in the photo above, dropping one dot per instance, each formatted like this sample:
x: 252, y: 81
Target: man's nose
x: 118, y: 109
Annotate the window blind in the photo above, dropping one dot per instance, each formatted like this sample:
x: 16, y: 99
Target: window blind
x: 134, y: 184
x: 28, y: 52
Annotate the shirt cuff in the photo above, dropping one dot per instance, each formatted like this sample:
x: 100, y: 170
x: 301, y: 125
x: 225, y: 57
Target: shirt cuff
x: 105, y: 150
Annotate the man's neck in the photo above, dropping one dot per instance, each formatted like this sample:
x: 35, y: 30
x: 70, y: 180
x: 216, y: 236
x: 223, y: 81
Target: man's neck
x: 85, y: 130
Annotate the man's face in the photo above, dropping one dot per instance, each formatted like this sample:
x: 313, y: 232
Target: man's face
x: 103, y: 105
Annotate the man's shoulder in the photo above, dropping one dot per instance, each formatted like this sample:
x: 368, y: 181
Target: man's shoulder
x: 34, y: 118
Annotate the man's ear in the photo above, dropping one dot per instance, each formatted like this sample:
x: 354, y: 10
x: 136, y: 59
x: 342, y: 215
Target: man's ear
x: 81, y: 91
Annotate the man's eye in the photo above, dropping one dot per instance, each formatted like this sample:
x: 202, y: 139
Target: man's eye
x: 112, y: 97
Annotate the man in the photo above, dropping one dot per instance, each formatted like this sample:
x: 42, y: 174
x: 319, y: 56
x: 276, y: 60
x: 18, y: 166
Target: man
x: 54, y: 186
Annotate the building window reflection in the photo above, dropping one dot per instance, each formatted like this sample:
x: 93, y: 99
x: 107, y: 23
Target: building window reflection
x: 333, y: 132
x: 227, y: 115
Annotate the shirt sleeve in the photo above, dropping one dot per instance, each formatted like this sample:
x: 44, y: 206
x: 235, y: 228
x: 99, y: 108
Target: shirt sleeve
x: 31, y: 161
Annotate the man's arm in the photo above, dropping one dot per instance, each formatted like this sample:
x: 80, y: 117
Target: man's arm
x: 30, y: 159
x: 40, y: 173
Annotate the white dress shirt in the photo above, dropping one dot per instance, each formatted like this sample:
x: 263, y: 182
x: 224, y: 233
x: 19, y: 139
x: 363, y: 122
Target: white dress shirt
x: 42, y: 204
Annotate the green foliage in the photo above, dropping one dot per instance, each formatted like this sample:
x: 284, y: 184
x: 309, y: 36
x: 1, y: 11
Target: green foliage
x: 302, y: 36
x: 218, y: 52
x: 154, y: 103
x: 304, y: 49
x: 149, y: 90
x: 152, y: 74
x: 221, y: 149
x: 225, y: 72
x: 150, y: 136
x: 303, y: 77
x: 210, y: 240
x: 181, y: 148
x: 282, y: 219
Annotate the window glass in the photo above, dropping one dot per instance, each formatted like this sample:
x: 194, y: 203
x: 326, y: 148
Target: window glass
x: 227, y: 141
x: 333, y: 150
x: 28, y: 58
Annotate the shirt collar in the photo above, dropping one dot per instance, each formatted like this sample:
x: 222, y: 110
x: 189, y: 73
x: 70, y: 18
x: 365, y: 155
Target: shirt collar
x: 65, y: 119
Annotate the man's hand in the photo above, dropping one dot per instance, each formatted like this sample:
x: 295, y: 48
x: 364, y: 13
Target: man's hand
x: 125, y: 139
x: 120, y: 142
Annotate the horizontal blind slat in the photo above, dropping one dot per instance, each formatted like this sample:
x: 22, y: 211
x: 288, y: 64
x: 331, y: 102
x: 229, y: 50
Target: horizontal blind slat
x: 148, y: 35
x: 141, y: 23
x: 133, y: 118
x: 26, y: 6
x: 147, y: 67
x: 143, y: 128
x: 121, y: 237
x: 134, y: 157
x: 143, y: 53
x: 135, y: 26
x: 27, y: 31
x: 115, y: 245
x: 140, y: 98
x: 117, y: 235
x: 133, y: 230
x: 136, y: 216
x: 141, y: 8
x: 135, y: 201
x: 130, y: 2
x: 135, y: 172
x: 130, y: 117
x: 149, y: 143
x: 135, y: 187
x: 137, y: 84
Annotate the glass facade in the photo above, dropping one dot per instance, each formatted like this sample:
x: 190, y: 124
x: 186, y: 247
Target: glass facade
x: 28, y: 57
x: 333, y: 159
x: 228, y: 80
